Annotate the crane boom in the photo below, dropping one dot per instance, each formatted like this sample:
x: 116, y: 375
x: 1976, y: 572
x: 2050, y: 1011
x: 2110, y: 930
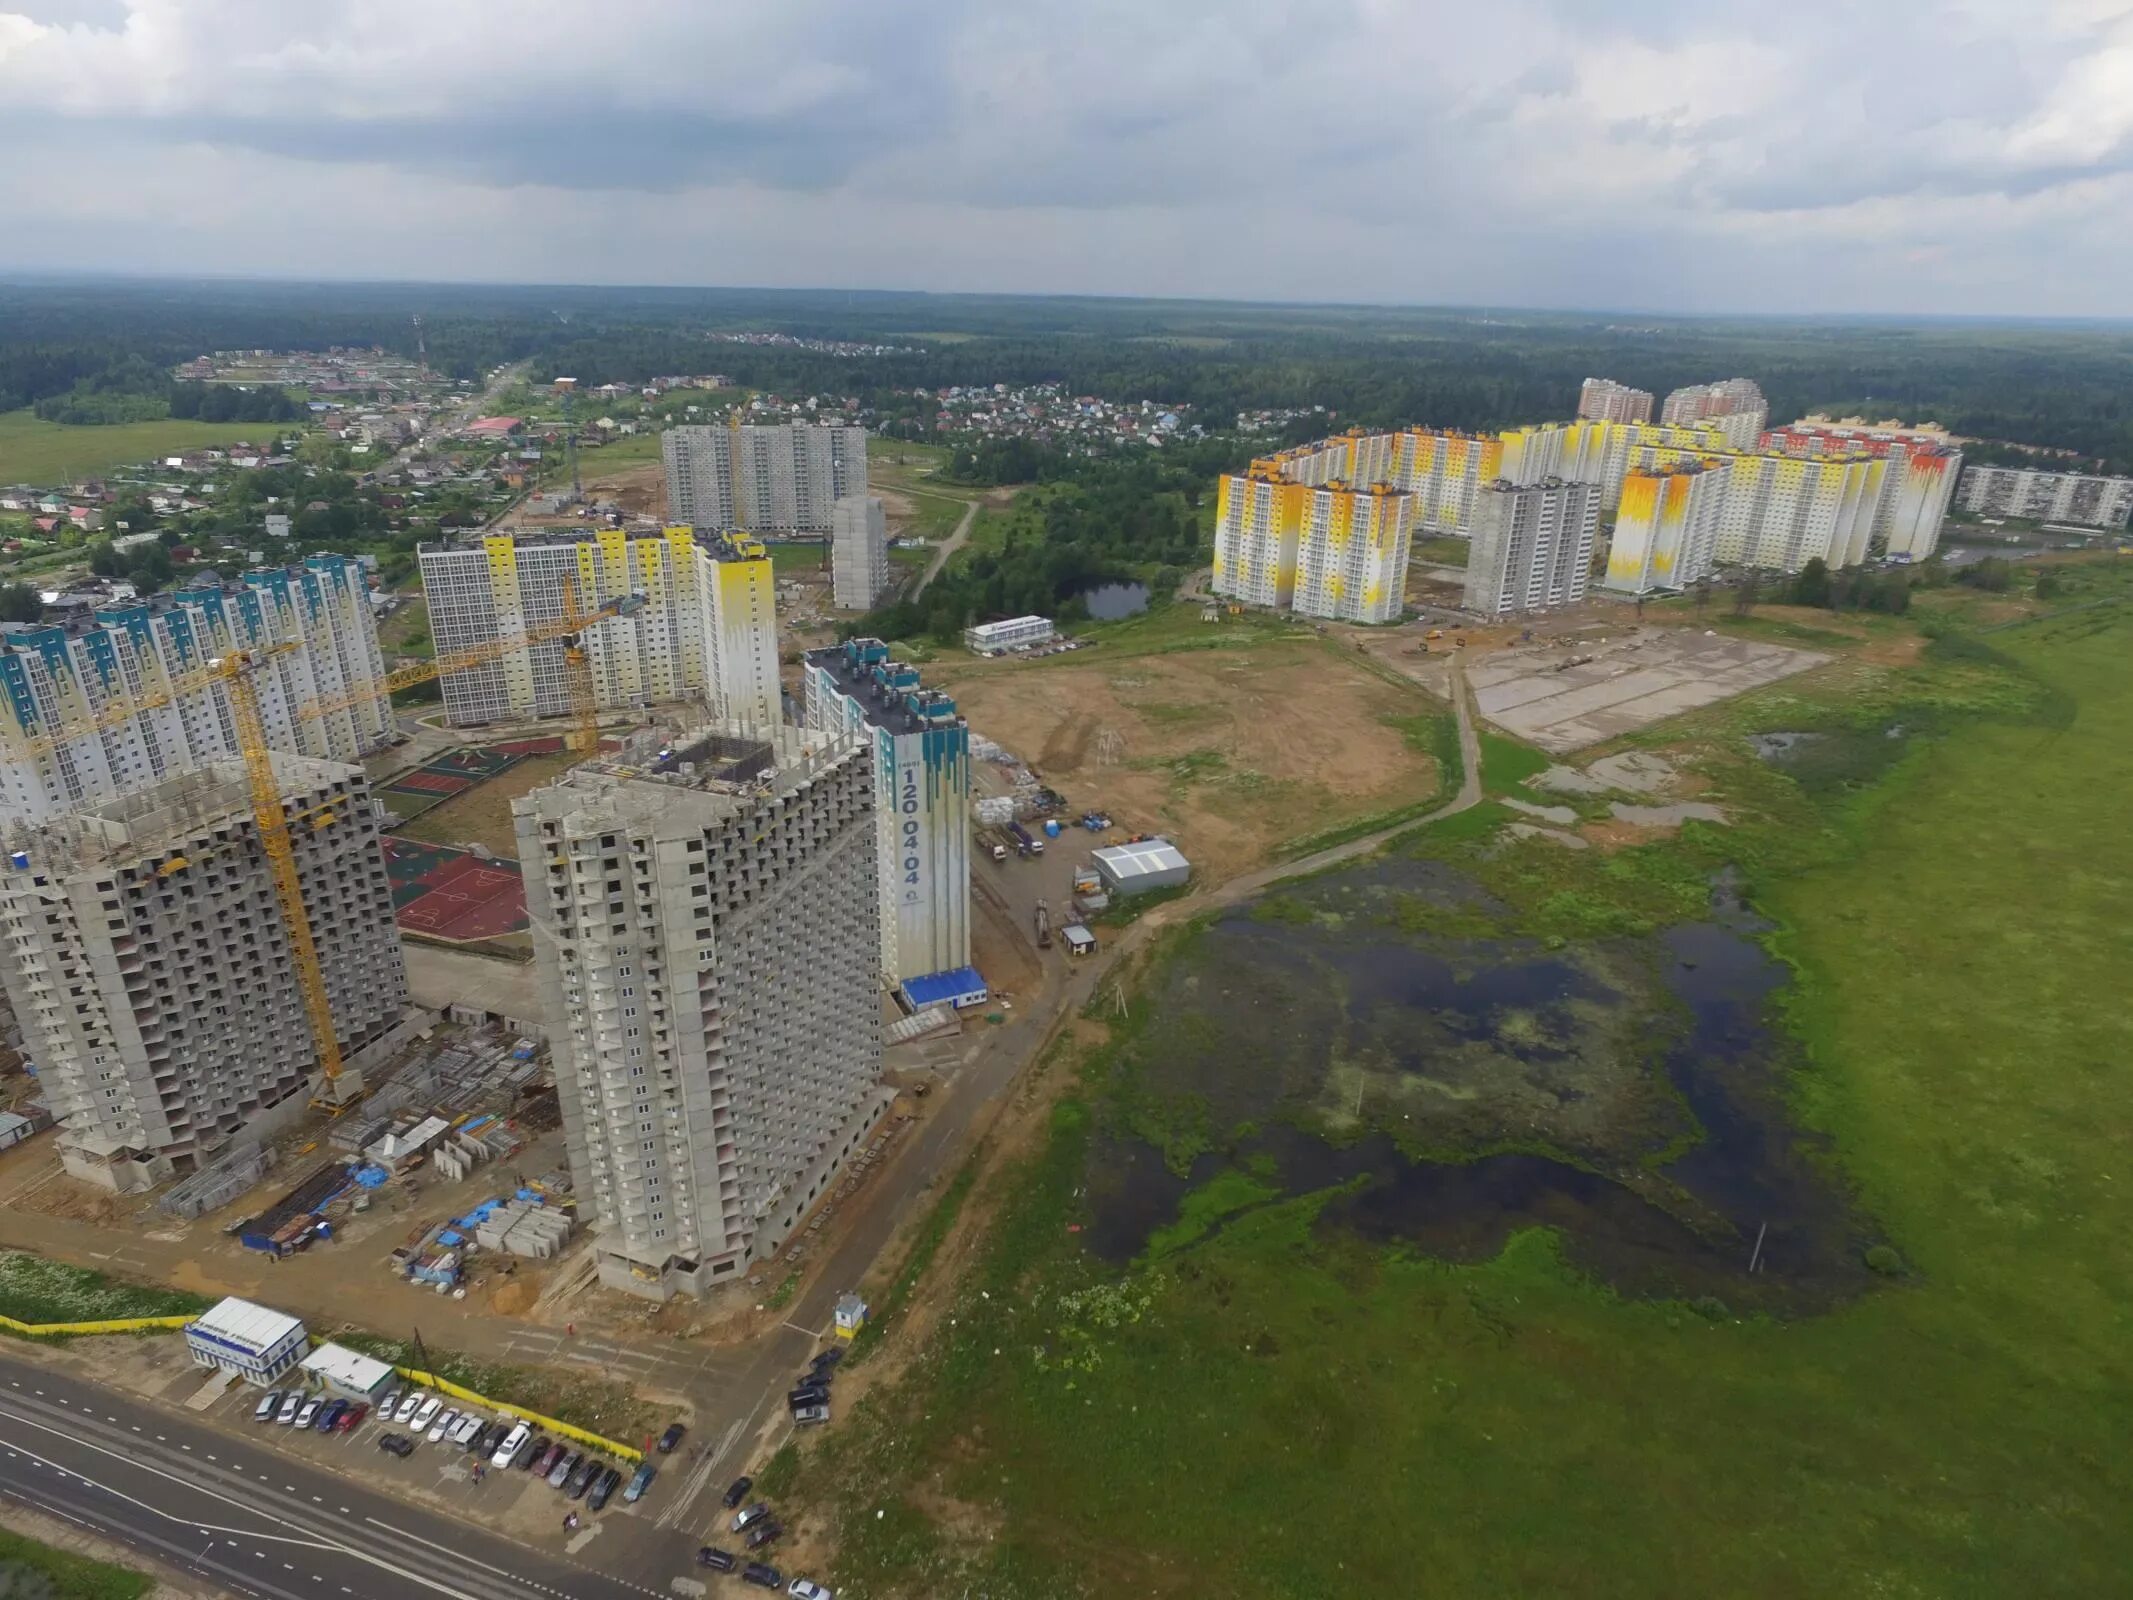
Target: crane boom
x: 339, y: 1085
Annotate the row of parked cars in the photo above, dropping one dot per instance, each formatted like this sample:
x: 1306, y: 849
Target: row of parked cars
x: 502, y: 1443
x: 757, y: 1524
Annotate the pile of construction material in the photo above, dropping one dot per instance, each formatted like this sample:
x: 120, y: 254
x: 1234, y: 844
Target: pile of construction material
x: 478, y: 1142
x: 216, y: 1185
x: 523, y: 1227
x: 928, y: 1022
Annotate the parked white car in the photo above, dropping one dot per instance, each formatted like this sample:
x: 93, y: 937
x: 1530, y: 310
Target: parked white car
x: 514, y: 1441
x: 425, y: 1414
x: 443, y: 1425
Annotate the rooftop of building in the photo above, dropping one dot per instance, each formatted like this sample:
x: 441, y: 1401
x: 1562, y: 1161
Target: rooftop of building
x: 148, y: 821
x: 85, y: 612
x: 888, y: 691
x: 688, y: 777
x: 720, y: 546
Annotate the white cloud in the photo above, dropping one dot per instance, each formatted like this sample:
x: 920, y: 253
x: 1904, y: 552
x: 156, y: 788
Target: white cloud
x: 1913, y: 154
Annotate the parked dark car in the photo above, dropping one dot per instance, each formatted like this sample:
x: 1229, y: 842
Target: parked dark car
x: 531, y: 1458
x: 640, y: 1480
x: 582, y: 1479
x: 763, y: 1532
x: 671, y: 1438
x: 813, y: 1395
x: 397, y: 1444
x: 604, y: 1490
x: 828, y: 1358
x: 333, y: 1413
x: 763, y: 1577
x: 714, y: 1558
x: 737, y: 1491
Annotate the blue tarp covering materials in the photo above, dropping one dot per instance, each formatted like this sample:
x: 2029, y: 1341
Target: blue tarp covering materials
x: 959, y: 987
x: 372, y: 1177
x: 448, y: 1238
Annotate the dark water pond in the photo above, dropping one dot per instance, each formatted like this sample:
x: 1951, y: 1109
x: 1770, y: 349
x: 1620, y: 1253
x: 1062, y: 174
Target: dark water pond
x: 1108, y: 602
x: 1351, y: 1053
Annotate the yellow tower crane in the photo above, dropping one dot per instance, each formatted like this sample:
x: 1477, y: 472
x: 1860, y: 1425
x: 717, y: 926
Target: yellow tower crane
x: 236, y: 671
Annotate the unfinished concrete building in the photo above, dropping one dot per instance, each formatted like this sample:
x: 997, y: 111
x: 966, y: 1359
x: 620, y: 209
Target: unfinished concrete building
x: 707, y: 932
x: 144, y: 950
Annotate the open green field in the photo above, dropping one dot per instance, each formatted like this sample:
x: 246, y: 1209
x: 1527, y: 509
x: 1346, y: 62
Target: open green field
x: 43, y: 453
x: 39, y: 1572
x: 1263, y: 1405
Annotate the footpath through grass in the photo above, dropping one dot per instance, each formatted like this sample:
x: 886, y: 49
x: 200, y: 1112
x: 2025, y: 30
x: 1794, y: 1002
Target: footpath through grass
x: 38, y: 1572
x: 1262, y: 1408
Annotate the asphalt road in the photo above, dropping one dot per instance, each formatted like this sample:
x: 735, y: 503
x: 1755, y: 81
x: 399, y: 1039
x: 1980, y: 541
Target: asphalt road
x: 253, y: 1522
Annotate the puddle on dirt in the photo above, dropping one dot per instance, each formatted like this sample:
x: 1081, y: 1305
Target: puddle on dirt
x: 1332, y: 1049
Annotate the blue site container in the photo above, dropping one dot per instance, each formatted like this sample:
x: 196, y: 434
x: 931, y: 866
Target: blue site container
x: 1051, y: 828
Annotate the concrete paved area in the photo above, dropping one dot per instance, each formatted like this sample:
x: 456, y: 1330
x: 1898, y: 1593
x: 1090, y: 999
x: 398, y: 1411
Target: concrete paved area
x: 1564, y: 696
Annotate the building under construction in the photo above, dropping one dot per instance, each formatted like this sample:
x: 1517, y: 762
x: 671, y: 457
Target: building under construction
x: 149, y: 962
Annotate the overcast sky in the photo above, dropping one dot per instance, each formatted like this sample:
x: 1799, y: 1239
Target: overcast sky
x: 1879, y: 155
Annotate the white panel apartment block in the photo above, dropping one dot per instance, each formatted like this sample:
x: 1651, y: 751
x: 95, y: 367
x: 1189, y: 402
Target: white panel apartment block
x: 148, y: 962
x: 1532, y: 546
x: 706, y: 929
x: 54, y: 676
x: 759, y: 477
x: 2081, y: 498
x: 859, y: 554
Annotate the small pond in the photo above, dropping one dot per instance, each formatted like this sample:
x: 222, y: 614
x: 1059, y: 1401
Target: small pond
x: 1107, y: 602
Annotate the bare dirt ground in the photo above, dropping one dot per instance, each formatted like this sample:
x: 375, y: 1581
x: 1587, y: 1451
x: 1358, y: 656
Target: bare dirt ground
x: 1229, y: 753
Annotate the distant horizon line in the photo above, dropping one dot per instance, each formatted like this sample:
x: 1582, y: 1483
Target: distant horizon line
x: 56, y: 276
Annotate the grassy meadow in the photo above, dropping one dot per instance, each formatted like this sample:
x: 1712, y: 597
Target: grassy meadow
x: 1261, y: 1407
x: 44, y: 453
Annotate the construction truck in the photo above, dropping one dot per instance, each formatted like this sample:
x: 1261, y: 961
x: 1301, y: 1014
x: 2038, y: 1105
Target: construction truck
x: 1044, y: 926
x: 1025, y: 841
x: 993, y: 843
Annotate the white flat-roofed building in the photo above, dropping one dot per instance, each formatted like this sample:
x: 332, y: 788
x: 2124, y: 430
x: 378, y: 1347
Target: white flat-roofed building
x: 246, y: 1340
x: 1140, y: 866
x: 347, y: 1373
x: 2085, y: 499
x: 758, y: 477
x: 1016, y: 633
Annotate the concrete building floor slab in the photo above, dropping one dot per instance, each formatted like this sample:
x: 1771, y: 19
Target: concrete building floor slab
x: 1563, y: 697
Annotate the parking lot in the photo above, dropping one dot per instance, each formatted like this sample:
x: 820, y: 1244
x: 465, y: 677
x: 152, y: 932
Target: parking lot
x: 439, y: 1469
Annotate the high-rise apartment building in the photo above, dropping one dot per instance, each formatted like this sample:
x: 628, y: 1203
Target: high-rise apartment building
x: 859, y: 552
x: 709, y: 606
x: 1737, y: 404
x: 144, y: 951
x: 708, y: 938
x: 1321, y: 550
x: 1604, y: 400
x: 2081, y: 498
x: 57, y: 676
x: 921, y: 799
x: 1532, y: 546
x: 758, y: 477
x: 1666, y: 526
x: 1782, y: 512
x: 1917, y: 489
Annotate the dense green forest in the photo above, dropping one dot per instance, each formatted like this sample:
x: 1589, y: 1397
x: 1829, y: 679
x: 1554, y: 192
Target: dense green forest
x: 2062, y: 385
x: 1130, y: 518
